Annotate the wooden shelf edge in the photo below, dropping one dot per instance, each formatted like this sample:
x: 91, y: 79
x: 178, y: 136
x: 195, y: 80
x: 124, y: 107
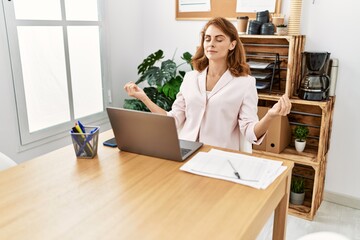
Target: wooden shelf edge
x: 276, y: 97
x: 288, y: 37
x: 306, y: 158
x: 303, y: 213
x: 321, y: 104
x: 271, y: 97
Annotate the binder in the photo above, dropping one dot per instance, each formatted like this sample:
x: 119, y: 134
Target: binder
x: 278, y: 136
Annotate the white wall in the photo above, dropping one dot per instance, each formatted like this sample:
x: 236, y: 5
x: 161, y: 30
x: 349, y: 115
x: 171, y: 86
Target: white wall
x: 323, y: 24
x: 331, y: 26
x: 125, y: 39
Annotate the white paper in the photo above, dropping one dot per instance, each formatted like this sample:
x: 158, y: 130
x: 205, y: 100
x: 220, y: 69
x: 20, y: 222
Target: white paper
x: 249, y: 6
x: 261, y: 76
x: 194, y: 6
x: 271, y: 174
x: 259, y: 65
x: 254, y: 172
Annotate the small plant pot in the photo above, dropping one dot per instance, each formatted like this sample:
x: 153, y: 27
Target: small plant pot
x: 300, y: 145
x: 297, y: 198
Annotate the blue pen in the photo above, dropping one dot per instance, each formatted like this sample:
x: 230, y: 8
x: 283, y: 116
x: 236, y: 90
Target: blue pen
x: 76, y: 139
x: 88, y: 138
x: 81, y: 141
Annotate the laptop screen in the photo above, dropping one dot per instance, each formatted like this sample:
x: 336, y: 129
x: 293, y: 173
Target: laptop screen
x: 147, y: 134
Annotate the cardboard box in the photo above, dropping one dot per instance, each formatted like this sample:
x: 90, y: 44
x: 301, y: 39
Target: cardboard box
x: 278, y: 136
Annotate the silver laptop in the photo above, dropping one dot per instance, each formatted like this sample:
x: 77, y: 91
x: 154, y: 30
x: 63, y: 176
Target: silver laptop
x: 149, y: 134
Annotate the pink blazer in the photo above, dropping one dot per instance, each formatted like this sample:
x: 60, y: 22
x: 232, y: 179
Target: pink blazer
x: 217, y: 118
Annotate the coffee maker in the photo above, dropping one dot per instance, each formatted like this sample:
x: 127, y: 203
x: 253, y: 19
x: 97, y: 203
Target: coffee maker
x: 314, y: 79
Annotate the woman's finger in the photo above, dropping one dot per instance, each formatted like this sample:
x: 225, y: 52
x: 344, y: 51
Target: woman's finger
x: 286, y: 105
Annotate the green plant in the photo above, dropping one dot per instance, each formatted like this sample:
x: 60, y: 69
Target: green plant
x: 164, y: 81
x: 297, y: 185
x: 301, y: 132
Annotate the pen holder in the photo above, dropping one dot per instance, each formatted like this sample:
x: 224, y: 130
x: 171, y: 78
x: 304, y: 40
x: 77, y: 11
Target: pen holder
x: 85, y: 144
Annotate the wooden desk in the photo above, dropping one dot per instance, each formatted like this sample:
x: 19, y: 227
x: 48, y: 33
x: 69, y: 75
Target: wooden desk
x: 120, y: 195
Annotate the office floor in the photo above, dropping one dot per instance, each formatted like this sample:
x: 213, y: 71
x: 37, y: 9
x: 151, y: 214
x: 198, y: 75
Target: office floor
x: 330, y: 217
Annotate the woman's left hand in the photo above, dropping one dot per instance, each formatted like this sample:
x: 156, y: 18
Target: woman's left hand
x: 281, y: 108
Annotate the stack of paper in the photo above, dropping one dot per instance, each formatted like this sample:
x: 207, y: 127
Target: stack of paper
x: 253, y: 171
x: 260, y: 65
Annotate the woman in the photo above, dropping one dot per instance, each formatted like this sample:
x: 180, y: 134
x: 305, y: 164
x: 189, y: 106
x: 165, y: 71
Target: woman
x: 218, y: 100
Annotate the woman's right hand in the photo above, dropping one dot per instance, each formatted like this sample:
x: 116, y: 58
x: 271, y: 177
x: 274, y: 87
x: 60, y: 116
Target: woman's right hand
x: 134, y: 91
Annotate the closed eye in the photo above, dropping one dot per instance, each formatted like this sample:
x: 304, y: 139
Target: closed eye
x: 218, y: 38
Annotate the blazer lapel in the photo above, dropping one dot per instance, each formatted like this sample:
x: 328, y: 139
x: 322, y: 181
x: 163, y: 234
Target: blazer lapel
x: 223, y: 81
x: 202, y: 82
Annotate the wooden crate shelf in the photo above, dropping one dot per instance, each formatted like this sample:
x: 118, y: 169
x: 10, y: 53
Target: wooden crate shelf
x: 314, y: 188
x: 312, y: 162
x: 289, y: 49
x: 315, y: 114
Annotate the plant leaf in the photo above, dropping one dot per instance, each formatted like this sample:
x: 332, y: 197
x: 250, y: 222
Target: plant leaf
x: 301, y: 132
x: 297, y: 184
x: 153, y: 76
x: 159, y: 98
x: 164, y: 81
x: 182, y: 73
x: 164, y: 102
x: 187, y: 57
x: 168, y: 69
x: 152, y: 93
x: 135, y: 104
x: 150, y: 61
x: 171, y: 88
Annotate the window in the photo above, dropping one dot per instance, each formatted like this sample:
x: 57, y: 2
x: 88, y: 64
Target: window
x: 55, y: 50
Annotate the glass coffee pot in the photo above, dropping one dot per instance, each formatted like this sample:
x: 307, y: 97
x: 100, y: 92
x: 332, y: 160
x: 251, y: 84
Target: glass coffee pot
x: 314, y: 79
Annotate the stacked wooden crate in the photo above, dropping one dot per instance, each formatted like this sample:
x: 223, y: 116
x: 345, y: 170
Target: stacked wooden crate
x: 288, y: 47
x: 317, y: 115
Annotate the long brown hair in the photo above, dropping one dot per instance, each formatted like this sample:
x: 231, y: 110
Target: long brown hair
x: 236, y: 59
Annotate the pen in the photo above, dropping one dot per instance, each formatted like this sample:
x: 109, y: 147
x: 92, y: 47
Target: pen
x: 88, y: 149
x: 81, y: 126
x: 235, y: 172
x: 87, y: 141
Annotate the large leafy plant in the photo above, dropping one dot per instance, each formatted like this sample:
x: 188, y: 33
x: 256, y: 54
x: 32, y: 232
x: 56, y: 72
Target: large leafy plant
x: 164, y: 81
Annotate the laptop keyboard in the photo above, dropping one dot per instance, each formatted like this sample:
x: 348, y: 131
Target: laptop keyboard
x: 184, y: 151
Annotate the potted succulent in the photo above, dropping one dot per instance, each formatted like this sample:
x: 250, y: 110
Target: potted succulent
x: 281, y: 29
x: 297, y: 190
x: 301, y: 133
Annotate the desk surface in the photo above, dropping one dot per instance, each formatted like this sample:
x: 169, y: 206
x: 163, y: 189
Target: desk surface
x: 121, y: 195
